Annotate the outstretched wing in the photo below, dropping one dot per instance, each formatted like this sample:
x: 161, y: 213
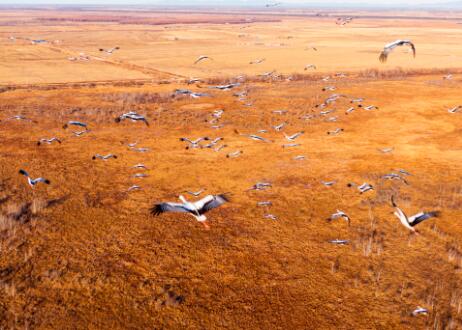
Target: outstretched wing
x: 23, y: 173
x: 43, y: 180
x: 412, y: 47
x: 422, y: 216
x: 401, y: 215
x: 211, y: 202
x: 168, y: 207
x: 384, y: 55
x: 201, y: 58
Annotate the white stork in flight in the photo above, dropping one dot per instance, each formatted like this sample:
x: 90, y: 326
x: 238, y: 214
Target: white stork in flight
x: 201, y: 58
x: 196, y: 209
x: 75, y: 123
x: 412, y: 221
x: 109, y: 51
x: 33, y: 182
x: 391, y: 46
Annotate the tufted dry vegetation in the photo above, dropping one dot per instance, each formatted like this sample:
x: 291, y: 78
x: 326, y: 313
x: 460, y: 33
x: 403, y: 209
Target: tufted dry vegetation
x: 84, y: 252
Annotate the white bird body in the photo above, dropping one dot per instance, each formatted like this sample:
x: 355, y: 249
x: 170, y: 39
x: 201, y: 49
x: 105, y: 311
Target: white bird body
x: 194, y: 80
x: 335, y: 132
x: 109, y: 51
x: 195, y: 193
x: 19, y: 117
x: 225, y: 87
x: 326, y: 112
x: 293, y: 137
x: 419, y: 311
x: 33, y: 182
x: 339, y: 241
x: 279, y: 127
x: 75, y: 123
x: 386, y: 150
x: 339, y: 214
x: 394, y: 176
x: 104, y: 157
x: 194, y: 143
x: 234, y: 154
x: 134, y: 187
x: 410, y: 222
x: 198, y: 95
x: 291, y: 145
x: 80, y: 133
x: 218, y: 113
x: 133, y: 116
x: 212, y: 143
x: 140, y: 149
x: 371, y: 107
x: 196, y: 209
x: 49, y: 141
x: 256, y: 138
x: 349, y: 110
x: 261, y: 60
x: 261, y: 186
x: 140, y: 175
x: 138, y: 166
x: 455, y: 109
x: 365, y: 187
x: 201, y: 58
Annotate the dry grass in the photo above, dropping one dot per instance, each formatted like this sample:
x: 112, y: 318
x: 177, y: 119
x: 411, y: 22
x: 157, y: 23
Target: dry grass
x: 85, y: 253
x: 101, y: 243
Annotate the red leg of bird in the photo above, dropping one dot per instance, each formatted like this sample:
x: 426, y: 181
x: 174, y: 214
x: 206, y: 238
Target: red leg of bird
x: 207, y: 227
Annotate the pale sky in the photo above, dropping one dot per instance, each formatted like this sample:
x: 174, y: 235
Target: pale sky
x: 291, y: 3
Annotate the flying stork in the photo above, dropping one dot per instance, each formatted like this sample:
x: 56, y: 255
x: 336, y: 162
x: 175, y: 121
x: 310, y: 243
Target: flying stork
x: 391, y: 46
x: 412, y: 221
x: 196, y: 209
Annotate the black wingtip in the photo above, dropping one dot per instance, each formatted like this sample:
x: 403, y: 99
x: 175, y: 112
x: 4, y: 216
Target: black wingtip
x: 23, y: 172
x: 47, y: 181
x: 393, y: 201
x: 155, y: 210
x: 435, y: 214
x: 225, y: 197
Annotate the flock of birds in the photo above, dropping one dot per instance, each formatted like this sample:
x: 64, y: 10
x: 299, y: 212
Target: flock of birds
x: 387, y: 49
x: 199, y: 208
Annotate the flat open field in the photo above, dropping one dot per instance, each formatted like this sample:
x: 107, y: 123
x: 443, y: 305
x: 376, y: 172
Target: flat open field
x: 84, y: 252
x: 147, y: 46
